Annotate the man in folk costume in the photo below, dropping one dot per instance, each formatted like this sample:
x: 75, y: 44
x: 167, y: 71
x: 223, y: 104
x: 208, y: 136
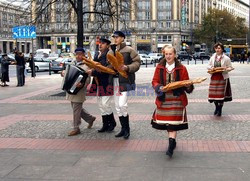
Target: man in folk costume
x: 122, y: 85
x: 170, y: 113
x: 219, y: 88
x: 78, y: 99
x: 104, y: 88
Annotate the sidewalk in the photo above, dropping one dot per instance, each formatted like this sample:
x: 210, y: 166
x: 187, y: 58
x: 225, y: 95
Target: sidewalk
x: 35, y: 119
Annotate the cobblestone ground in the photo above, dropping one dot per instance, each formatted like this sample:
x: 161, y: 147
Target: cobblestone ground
x: 205, y: 130
x: 200, y: 129
x: 35, y: 120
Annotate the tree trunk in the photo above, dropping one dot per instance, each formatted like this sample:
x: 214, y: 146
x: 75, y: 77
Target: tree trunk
x: 79, y: 23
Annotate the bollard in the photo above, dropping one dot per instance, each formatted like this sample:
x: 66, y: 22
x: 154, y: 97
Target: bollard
x: 155, y: 63
x: 146, y: 63
x: 188, y: 61
x: 49, y: 68
x: 202, y: 61
x: 195, y: 61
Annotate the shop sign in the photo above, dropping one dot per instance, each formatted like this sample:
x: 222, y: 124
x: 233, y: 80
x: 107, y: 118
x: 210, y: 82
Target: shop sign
x: 143, y: 41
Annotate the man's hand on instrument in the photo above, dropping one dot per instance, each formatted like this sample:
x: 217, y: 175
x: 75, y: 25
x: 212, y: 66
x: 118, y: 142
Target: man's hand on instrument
x: 79, y: 84
x: 62, y: 73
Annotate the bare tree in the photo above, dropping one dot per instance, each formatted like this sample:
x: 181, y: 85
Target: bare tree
x: 104, y: 15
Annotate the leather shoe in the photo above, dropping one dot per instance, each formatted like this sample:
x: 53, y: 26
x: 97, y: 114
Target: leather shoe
x: 91, y: 123
x: 74, y: 132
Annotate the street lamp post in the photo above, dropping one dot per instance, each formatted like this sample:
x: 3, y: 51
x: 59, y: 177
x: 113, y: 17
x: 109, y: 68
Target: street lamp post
x: 217, y: 28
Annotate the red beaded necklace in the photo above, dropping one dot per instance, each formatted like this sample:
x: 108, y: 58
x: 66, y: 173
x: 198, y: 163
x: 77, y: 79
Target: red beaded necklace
x: 218, y: 60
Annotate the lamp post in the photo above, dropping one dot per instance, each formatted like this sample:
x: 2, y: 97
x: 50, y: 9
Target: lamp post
x: 217, y: 28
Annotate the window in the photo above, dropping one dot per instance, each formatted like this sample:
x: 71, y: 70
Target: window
x: 184, y: 38
x: 164, y: 38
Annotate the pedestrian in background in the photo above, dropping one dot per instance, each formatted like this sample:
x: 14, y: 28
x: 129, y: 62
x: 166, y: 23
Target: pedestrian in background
x: 170, y: 113
x: 32, y: 65
x: 20, y: 67
x: 219, y: 88
x: 5, y: 70
x: 248, y: 57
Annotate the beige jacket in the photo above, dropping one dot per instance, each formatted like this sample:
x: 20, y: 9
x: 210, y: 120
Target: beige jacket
x: 225, y: 62
x: 81, y: 95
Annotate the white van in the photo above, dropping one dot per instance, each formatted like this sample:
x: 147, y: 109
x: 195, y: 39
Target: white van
x: 42, y: 51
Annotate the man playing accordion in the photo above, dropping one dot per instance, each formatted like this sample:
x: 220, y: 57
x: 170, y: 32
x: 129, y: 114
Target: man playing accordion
x: 78, y: 98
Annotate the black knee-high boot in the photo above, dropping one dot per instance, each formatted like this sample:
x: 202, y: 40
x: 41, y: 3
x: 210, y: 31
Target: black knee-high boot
x: 171, y: 147
x: 121, y: 133
x: 127, y: 128
x: 216, y: 108
x: 220, y: 109
x: 105, y: 125
x: 111, y: 122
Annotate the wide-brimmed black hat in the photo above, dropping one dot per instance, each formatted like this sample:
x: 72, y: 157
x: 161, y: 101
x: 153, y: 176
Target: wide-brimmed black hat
x: 118, y: 33
x: 104, y: 40
x: 80, y: 50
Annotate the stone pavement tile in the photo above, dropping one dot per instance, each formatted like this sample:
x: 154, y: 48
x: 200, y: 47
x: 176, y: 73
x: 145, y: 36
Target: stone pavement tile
x: 96, y: 158
x: 45, y: 159
x: 29, y: 179
x: 203, y: 160
x: 5, y: 169
x: 29, y: 171
x: 204, y: 174
x: 142, y: 173
x: 5, y: 157
x: 86, y: 172
x: 126, y: 159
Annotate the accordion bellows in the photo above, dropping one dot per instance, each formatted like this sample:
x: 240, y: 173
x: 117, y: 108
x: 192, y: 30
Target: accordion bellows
x: 73, y: 75
x: 179, y: 84
x: 96, y: 65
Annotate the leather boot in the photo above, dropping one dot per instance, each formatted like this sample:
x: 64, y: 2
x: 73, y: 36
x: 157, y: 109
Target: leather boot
x: 127, y: 128
x: 171, y: 147
x: 111, y: 122
x: 219, y: 110
x: 105, y: 125
x: 121, y: 133
x: 216, y: 108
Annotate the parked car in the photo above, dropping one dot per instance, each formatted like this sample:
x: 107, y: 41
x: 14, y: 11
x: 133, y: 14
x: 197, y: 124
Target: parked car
x: 11, y: 56
x: 201, y: 56
x: 53, y: 56
x: 67, y: 55
x: 60, y: 64
x: 155, y: 56
x: 145, y: 58
x: 41, y: 64
x: 183, y: 55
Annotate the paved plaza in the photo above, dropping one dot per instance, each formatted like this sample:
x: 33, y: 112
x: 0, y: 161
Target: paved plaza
x: 35, y: 120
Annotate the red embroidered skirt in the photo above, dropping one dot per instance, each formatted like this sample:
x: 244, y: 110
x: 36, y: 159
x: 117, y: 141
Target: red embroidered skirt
x: 219, y: 89
x: 171, y: 115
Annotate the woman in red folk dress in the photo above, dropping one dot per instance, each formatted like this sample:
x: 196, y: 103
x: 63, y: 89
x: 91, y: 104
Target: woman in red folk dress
x: 219, y: 88
x: 170, y: 113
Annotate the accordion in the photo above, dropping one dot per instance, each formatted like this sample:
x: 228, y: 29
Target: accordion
x: 73, y: 75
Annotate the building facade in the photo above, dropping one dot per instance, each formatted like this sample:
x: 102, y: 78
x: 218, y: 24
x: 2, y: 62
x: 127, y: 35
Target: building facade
x: 149, y: 24
x: 235, y: 7
x: 11, y: 16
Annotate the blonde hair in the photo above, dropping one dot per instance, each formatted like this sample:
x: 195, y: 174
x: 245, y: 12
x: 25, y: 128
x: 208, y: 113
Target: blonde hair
x: 163, y: 61
x: 168, y: 47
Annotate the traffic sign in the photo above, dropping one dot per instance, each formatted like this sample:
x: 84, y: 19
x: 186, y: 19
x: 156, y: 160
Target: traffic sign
x: 24, y: 32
